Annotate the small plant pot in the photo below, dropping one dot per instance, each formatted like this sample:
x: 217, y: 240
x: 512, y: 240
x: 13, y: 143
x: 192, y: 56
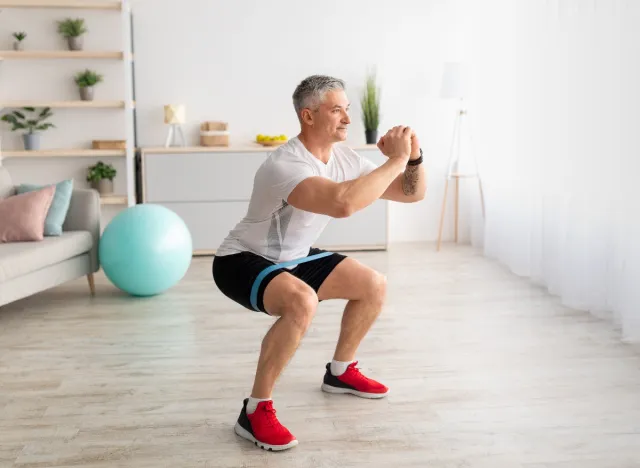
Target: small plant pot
x: 18, y: 45
x: 86, y: 93
x: 103, y: 186
x: 75, y: 43
x: 371, y: 136
x: 31, y: 141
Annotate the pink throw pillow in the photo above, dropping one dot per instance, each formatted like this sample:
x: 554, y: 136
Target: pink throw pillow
x: 22, y: 216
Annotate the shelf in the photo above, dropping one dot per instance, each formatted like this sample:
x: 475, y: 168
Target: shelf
x: 64, y: 104
x: 463, y: 176
x: 101, y: 5
x: 248, y: 148
x: 73, y: 155
x: 60, y: 54
x: 113, y: 200
x: 62, y: 153
x: 207, y: 149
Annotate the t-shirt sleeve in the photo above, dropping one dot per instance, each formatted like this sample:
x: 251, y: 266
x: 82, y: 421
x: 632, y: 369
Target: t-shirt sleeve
x: 285, y: 175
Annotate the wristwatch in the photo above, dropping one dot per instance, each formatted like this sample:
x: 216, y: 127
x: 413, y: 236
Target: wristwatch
x: 415, y: 162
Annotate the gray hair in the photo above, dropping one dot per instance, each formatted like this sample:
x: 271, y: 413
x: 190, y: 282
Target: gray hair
x: 310, y: 92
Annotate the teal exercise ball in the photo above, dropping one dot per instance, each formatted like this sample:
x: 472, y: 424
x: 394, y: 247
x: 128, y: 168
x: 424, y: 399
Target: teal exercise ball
x: 145, y: 249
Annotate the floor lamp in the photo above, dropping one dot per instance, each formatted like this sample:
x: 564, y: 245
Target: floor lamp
x: 455, y: 86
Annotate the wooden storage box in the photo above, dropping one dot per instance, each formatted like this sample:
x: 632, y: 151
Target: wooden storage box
x: 214, y: 134
x: 109, y: 144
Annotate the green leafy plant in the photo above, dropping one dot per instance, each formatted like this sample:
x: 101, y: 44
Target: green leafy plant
x: 101, y: 171
x: 20, y: 121
x: 88, y: 78
x: 370, y: 103
x: 20, y: 36
x: 72, y: 27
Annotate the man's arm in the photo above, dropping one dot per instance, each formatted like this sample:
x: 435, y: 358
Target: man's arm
x: 339, y: 200
x: 408, y: 187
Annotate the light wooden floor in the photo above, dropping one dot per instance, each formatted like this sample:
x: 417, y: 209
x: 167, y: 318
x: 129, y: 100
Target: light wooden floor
x: 485, y: 371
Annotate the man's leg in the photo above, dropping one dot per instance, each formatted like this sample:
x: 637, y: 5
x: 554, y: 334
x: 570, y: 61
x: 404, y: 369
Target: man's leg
x: 295, y: 303
x: 365, y: 290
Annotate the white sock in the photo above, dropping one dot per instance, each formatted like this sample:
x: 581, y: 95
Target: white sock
x: 339, y: 367
x: 252, y: 404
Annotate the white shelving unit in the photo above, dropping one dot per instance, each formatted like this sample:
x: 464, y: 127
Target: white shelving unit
x: 63, y: 153
x: 126, y: 105
x: 76, y: 4
x: 66, y: 104
x: 205, y: 186
x: 59, y: 54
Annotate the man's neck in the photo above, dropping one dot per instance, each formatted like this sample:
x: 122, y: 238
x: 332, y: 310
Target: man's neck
x: 321, y: 150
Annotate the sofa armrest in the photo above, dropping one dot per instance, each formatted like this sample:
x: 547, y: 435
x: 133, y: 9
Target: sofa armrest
x: 84, y: 215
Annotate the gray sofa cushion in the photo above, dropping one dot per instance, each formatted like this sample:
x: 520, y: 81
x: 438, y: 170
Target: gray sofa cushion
x: 20, y: 258
x: 6, y: 186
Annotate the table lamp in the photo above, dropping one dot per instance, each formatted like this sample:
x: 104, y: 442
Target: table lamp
x: 174, y: 115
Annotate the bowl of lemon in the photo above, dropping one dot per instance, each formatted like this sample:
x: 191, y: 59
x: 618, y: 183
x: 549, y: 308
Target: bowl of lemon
x: 271, y: 140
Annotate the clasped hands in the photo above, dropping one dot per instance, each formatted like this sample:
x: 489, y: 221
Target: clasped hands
x: 400, y: 142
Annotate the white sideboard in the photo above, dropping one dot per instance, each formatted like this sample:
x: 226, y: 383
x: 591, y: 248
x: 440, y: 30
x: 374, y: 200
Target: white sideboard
x: 210, y: 189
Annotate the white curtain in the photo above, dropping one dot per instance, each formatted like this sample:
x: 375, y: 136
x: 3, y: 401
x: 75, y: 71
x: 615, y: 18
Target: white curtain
x: 556, y: 129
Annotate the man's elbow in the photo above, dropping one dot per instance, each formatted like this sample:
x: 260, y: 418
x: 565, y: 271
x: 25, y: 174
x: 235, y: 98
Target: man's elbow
x: 343, y: 209
x: 418, y: 196
x: 342, y: 205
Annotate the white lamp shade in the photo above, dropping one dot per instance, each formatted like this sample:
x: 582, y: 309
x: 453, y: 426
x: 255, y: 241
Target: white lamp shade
x: 455, y: 81
x: 174, y: 114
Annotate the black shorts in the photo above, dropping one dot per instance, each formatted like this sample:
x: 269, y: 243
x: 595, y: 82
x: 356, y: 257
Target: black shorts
x: 235, y: 274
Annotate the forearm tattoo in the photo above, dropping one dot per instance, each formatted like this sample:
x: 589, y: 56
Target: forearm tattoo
x: 410, y: 180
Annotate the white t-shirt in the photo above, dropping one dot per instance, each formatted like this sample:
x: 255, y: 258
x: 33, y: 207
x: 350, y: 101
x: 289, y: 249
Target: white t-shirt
x: 274, y: 229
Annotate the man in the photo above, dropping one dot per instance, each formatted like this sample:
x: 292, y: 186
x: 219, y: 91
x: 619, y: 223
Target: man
x: 267, y: 264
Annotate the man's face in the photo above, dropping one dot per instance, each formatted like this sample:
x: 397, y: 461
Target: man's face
x: 330, y: 121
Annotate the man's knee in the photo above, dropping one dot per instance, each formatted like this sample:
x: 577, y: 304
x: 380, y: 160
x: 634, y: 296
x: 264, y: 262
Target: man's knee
x: 376, y: 287
x: 300, y: 305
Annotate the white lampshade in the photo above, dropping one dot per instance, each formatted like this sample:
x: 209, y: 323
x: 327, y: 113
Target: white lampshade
x: 455, y: 81
x: 174, y: 114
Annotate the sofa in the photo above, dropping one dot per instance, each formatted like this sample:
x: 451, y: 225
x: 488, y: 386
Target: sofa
x: 27, y: 268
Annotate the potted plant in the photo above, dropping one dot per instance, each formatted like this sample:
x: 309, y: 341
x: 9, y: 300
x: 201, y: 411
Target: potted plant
x: 72, y: 30
x: 19, y: 37
x: 370, y: 103
x: 101, y: 176
x: 20, y: 121
x: 86, y: 80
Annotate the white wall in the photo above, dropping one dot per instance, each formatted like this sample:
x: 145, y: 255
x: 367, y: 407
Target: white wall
x: 240, y: 61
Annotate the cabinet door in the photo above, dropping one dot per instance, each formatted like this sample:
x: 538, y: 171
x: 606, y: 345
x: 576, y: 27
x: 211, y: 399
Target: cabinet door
x: 374, y: 154
x: 209, y: 223
x: 365, y: 229
x: 197, y: 177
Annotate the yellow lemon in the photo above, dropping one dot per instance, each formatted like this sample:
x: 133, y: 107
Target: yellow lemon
x: 260, y: 137
x: 283, y: 137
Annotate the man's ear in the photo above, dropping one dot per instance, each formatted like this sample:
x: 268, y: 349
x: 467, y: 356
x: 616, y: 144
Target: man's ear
x: 307, y: 116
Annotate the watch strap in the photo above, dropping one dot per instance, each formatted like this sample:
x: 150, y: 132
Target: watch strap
x: 415, y: 162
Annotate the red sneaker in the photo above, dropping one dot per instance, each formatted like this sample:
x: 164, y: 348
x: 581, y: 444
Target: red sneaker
x: 352, y: 381
x: 263, y: 428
